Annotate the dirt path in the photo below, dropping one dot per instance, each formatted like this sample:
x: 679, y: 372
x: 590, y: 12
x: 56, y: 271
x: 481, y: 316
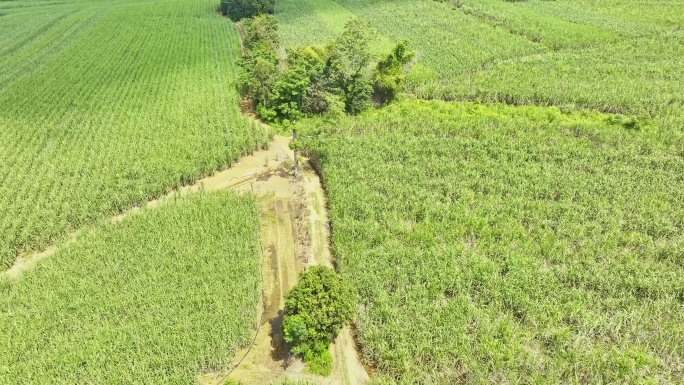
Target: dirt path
x: 246, y: 170
x: 347, y: 367
x: 294, y: 236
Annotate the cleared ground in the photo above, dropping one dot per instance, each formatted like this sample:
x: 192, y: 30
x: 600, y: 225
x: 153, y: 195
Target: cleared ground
x: 509, y: 244
x: 108, y: 104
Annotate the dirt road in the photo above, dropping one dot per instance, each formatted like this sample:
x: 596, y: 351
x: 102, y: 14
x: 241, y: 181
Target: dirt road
x: 294, y: 236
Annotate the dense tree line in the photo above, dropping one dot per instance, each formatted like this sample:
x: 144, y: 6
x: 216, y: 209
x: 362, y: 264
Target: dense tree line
x: 333, y: 79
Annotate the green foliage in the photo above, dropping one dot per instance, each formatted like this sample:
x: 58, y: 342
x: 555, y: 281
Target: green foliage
x: 155, y: 299
x: 313, y: 80
x: 358, y: 95
x: 128, y: 119
x: 260, y: 62
x: 509, y: 244
x: 261, y: 34
x: 242, y: 9
x: 552, y: 31
x: 319, y: 361
x: 316, y: 309
x: 349, y: 53
x: 390, y: 73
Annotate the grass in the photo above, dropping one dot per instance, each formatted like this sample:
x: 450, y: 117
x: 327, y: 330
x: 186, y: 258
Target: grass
x: 553, y: 31
x: 638, y: 76
x: 105, y: 105
x: 510, y: 244
x: 449, y: 43
x: 664, y: 14
x: 310, y: 22
x: 155, y: 299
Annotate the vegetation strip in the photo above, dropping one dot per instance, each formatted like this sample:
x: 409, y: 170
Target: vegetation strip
x: 156, y: 298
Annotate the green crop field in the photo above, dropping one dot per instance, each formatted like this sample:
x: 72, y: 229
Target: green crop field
x: 155, y: 299
x: 615, y: 56
x: 106, y: 104
x: 515, y: 216
x: 498, y: 244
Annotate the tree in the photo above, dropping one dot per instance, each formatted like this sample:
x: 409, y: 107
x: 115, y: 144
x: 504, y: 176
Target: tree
x: 315, y: 311
x: 317, y: 80
x: 350, y: 48
x: 240, y: 9
x: 389, y: 74
x: 358, y: 95
x: 261, y: 32
x: 347, y: 67
x: 260, y: 63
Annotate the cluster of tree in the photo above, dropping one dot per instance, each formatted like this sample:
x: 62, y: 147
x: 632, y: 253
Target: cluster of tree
x: 333, y: 79
x: 241, y: 9
x: 315, y: 311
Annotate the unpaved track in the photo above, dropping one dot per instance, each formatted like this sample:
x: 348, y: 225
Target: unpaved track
x: 294, y: 236
x: 246, y: 170
x: 347, y: 367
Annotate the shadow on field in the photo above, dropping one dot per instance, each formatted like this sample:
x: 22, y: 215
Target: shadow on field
x: 280, y: 352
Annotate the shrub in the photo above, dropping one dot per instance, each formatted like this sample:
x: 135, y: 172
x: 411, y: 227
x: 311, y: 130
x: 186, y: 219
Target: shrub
x: 315, y: 311
x: 261, y: 32
x: 316, y: 80
x: 390, y: 75
x: 260, y: 62
x: 358, y: 94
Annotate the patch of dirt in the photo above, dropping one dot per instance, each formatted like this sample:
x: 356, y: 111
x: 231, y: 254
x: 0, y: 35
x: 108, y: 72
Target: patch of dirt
x: 347, y: 367
x: 28, y: 261
x: 295, y: 235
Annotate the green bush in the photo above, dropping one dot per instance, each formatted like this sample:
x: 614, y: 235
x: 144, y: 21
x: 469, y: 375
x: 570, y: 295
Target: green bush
x: 390, y: 72
x: 241, y: 9
x: 260, y: 62
x: 315, y: 311
x: 358, y: 95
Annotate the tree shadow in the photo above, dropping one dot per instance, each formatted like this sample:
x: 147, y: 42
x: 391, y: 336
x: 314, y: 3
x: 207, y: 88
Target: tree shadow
x: 279, y: 352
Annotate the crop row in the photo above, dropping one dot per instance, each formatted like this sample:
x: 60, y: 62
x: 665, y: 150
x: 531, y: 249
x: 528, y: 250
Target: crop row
x: 112, y: 106
x: 614, y: 56
x: 509, y: 244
